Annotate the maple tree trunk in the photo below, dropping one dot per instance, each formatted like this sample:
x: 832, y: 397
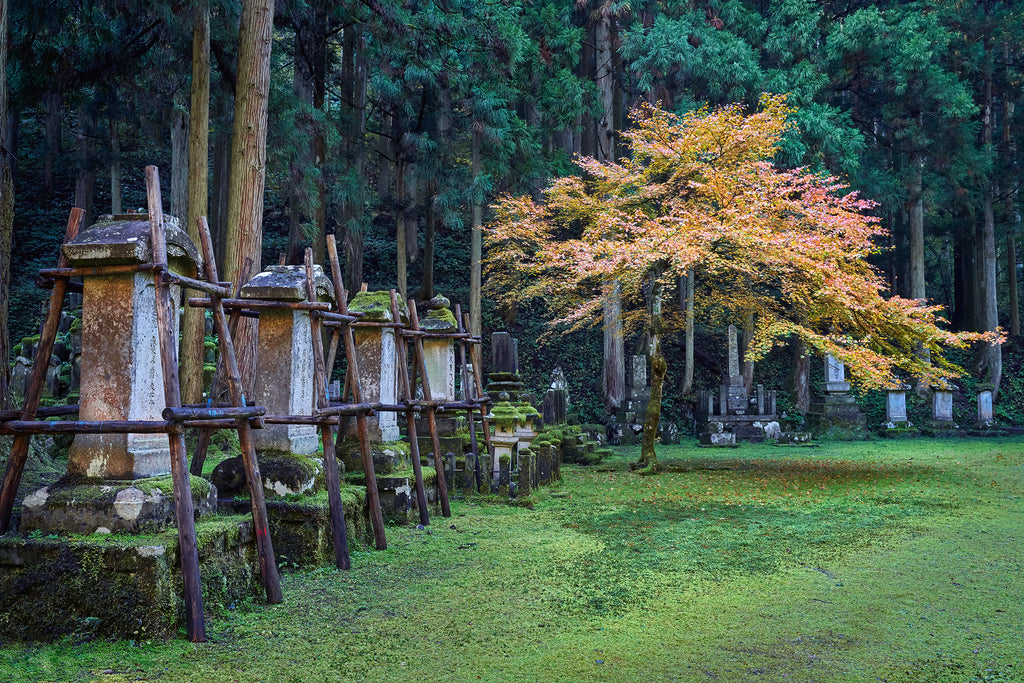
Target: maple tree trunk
x: 747, y: 366
x: 659, y: 368
x: 6, y: 218
x: 248, y: 163
x: 193, y: 325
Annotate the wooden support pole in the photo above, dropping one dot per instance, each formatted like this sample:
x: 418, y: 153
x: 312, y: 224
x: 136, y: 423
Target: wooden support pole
x: 481, y: 398
x: 203, y: 442
x: 253, y: 480
x: 402, y: 356
x: 372, y: 494
x: 338, y: 531
x: 469, y: 411
x: 166, y: 315
x: 34, y: 389
x: 442, y: 484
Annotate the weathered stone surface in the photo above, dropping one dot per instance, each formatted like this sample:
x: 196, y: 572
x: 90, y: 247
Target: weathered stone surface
x: 942, y: 405
x: 117, y: 240
x: 122, y: 586
x: 835, y: 376
x: 282, y: 475
x: 121, y: 378
x: 896, y: 406
x: 985, y: 415
x: 74, y: 506
x: 735, y: 378
x: 287, y: 283
x: 503, y: 353
x: 377, y: 354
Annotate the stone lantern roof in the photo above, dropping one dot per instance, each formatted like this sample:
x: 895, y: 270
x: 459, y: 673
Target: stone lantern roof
x: 124, y: 240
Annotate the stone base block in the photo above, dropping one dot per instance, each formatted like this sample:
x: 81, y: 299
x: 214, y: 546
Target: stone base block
x: 718, y: 439
x: 388, y: 456
x: 300, y: 529
x: 282, y: 475
x: 795, y: 438
x: 84, y: 506
x: 122, y: 586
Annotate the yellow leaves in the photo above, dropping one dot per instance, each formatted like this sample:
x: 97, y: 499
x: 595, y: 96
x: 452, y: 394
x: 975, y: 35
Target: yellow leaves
x: 701, y: 192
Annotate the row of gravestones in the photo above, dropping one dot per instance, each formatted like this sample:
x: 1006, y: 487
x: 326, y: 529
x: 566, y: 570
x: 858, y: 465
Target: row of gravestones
x: 63, y: 372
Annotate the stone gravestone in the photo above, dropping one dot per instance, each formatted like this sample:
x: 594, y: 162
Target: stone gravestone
x: 284, y: 365
x: 985, y: 416
x: 835, y: 376
x: 896, y: 406
x: 121, y: 380
x: 376, y: 353
x: 942, y: 405
x: 735, y: 393
x: 121, y: 370
x: 439, y: 353
x: 504, y: 376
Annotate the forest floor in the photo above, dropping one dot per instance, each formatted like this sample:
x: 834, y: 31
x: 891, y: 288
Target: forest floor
x: 869, y: 561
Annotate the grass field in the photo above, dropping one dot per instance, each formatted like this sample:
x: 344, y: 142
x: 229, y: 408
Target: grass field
x: 870, y: 561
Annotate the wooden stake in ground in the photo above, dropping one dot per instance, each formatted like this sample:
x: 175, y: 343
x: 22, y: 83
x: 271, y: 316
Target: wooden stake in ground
x: 203, y: 443
x: 166, y: 313
x: 463, y: 323
x: 402, y: 356
x: 442, y: 485
x: 253, y: 480
x: 338, y: 530
x: 372, y: 494
x: 34, y: 389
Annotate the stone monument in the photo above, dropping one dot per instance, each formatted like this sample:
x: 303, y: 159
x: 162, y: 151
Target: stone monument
x: 837, y: 408
x: 121, y: 380
x: 733, y: 417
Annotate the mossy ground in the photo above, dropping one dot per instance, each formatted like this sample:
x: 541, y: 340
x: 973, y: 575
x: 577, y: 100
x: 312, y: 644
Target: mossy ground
x: 880, y: 560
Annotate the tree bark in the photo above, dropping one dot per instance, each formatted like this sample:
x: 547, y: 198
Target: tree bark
x: 221, y: 180
x: 990, y: 363
x: 800, y: 391
x: 6, y: 216
x: 193, y: 326
x: 476, y: 239
x: 54, y: 106
x: 659, y: 367
x: 351, y: 228
x: 1009, y: 149
x: 249, y: 163
x: 688, y: 282
x: 614, y: 345
x: 85, y: 184
x: 915, y: 227
x: 115, y: 166
x: 179, y: 157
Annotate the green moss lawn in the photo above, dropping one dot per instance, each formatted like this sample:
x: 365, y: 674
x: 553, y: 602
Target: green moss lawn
x: 872, y: 561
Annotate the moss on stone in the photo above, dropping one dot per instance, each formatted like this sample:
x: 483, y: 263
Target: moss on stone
x: 376, y: 306
x: 439, y: 320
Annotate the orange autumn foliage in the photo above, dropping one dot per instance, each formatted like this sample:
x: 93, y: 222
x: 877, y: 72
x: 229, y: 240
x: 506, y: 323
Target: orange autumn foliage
x: 701, y: 191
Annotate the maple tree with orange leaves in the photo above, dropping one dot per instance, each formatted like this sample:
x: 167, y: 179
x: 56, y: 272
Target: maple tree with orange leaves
x: 701, y: 192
